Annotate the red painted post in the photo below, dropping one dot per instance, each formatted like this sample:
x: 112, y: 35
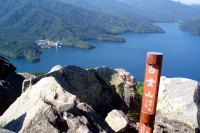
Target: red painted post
x: 150, y: 92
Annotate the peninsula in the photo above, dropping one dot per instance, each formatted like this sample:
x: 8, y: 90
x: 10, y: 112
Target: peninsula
x: 25, y: 21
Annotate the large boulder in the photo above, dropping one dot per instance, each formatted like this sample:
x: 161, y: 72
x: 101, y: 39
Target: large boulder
x: 55, y: 68
x: 178, y: 106
x: 119, y: 122
x: 5, y: 68
x: 46, y: 107
x: 72, y: 100
x: 102, y: 88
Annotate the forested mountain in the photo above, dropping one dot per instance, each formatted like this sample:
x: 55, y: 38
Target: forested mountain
x: 110, y: 6
x: 23, y: 22
x: 150, y: 10
x: 165, y: 10
x: 191, y: 26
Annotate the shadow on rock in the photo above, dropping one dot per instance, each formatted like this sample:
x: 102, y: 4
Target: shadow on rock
x: 16, y: 125
x: 11, y: 89
x: 7, y: 96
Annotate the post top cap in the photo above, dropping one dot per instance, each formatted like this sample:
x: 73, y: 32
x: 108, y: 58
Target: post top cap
x: 154, y: 58
x: 155, y: 53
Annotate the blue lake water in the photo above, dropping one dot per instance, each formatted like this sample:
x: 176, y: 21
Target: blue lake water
x: 181, y: 54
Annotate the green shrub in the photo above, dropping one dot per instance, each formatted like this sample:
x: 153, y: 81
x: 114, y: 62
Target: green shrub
x: 140, y: 87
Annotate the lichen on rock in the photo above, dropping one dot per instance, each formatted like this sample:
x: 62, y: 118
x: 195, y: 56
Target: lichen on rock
x: 176, y: 104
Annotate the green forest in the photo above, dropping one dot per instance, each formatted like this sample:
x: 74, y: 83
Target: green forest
x: 23, y: 22
x: 20, y: 48
x: 191, y: 26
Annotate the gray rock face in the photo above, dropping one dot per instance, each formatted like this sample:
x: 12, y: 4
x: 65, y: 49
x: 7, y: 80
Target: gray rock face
x: 5, y: 68
x: 55, y: 68
x: 102, y: 88
x: 178, y: 105
x: 96, y: 120
x: 58, y: 101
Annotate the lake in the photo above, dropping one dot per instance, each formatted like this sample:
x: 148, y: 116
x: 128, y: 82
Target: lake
x: 181, y: 54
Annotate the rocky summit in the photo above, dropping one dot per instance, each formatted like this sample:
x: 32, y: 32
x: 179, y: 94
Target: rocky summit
x: 73, y: 100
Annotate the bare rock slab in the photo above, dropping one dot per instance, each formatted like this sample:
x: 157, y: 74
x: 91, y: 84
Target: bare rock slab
x: 178, y: 105
x: 5, y: 131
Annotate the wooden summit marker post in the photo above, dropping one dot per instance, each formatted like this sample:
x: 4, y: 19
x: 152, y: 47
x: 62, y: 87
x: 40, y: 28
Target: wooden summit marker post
x: 150, y: 92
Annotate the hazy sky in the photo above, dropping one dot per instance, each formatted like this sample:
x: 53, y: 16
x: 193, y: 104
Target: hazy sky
x: 189, y: 1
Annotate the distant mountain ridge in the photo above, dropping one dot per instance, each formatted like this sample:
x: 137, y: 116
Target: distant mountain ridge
x: 149, y: 10
x: 165, y: 10
x: 24, y: 22
x: 110, y: 6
